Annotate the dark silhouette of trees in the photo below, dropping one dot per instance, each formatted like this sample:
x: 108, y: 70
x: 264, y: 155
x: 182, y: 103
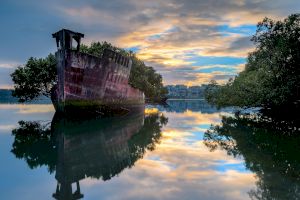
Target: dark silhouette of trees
x: 272, y: 74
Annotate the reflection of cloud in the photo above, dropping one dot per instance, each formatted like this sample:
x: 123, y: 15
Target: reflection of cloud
x: 36, y: 109
x: 10, y: 114
x: 28, y: 108
x: 152, y: 179
x: 149, y: 111
x: 181, y: 167
x: 195, y: 118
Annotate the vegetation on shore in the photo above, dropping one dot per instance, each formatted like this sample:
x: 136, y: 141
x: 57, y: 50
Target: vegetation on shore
x: 272, y: 73
x: 38, y: 76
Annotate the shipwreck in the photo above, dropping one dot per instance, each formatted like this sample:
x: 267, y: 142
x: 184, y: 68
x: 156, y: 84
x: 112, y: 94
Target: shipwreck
x: 89, y: 84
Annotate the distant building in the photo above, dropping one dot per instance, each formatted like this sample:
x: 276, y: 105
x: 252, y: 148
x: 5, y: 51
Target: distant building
x: 184, y: 92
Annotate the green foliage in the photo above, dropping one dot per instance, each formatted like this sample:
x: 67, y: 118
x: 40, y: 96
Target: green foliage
x: 97, y: 49
x: 272, y: 74
x: 142, y: 77
x: 36, y: 78
x: 147, y: 80
x: 269, y: 149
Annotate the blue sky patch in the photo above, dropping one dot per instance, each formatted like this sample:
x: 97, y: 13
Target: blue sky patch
x: 135, y: 49
x: 245, y: 29
x: 212, y: 60
x: 231, y: 166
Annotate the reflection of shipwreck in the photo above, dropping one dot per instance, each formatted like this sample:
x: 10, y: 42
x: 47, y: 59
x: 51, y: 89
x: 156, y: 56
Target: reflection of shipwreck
x: 96, y: 148
x: 96, y: 84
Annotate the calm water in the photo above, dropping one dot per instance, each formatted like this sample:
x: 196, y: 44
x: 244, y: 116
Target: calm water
x: 165, y: 153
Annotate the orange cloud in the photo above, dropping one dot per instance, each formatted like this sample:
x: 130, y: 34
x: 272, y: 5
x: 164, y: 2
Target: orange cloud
x: 166, y: 32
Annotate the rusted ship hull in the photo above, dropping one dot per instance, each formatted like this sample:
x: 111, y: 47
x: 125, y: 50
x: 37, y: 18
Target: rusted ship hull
x: 90, y: 84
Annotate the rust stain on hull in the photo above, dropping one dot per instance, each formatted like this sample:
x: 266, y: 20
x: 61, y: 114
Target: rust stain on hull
x: 90, y: 83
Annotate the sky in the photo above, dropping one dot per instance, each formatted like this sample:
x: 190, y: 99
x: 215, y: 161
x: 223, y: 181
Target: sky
x: 189, y: 42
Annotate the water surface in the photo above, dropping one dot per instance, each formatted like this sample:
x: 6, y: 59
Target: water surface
x: 188, y: 150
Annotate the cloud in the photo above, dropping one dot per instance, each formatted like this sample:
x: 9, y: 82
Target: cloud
x: 240, y: 67
x: 239, y: 47
x: 9, y: 64
x: 194, y: 31
x: 166, y: 32
x: 195, y: 78
x: 6, y: 128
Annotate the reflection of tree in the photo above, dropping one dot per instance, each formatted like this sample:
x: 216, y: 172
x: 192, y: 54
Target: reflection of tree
x: 180, y: 106
x: 148, y: 136
x: 269, y: 151
x: 35, y: 144
x: 98, y: 148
